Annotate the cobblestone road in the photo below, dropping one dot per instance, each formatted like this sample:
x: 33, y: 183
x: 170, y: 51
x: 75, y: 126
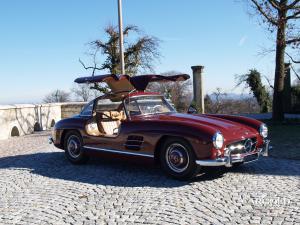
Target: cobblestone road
x: 38, y: 186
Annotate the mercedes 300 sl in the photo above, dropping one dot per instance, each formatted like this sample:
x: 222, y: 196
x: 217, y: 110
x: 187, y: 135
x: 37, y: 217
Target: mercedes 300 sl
x: 131, y: 122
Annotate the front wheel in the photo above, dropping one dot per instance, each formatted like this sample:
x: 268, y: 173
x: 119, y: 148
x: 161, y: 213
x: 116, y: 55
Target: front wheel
x: 73, y: 148
x: 178, y: 159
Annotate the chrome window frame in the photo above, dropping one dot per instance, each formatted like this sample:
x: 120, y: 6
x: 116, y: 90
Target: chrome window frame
x: 145, y: 114
x: 85, y: 107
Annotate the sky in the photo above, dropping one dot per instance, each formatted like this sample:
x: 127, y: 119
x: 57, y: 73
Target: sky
x: 41, y: 41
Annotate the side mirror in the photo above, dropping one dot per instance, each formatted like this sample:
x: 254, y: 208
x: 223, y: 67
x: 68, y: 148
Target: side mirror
x: 191, y: 110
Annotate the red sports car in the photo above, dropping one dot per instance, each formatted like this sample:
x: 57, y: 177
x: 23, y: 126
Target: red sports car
x: 129, y: 121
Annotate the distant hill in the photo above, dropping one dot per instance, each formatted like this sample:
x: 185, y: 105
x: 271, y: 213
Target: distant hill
x: 232, y: 96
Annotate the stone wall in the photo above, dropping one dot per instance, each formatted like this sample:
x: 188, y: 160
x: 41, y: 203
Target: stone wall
x: 18, y: 120
x: 71, y: 109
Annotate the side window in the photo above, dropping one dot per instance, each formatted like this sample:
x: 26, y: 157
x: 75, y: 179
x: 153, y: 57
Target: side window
x: 88, y: 109
x: 132, y: 107
x: 107, y: 105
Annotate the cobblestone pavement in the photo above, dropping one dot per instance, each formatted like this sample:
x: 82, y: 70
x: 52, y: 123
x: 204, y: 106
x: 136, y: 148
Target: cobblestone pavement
x: 38, y: 186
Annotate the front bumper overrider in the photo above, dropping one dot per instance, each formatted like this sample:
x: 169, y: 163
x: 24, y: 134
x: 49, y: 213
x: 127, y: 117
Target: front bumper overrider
x: 50, y: 140
x: 229, y: 159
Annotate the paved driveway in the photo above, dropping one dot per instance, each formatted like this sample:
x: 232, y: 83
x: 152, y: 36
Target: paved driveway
x: 38, y: 186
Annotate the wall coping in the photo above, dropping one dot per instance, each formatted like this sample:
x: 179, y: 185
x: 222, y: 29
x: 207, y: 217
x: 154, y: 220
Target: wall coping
x: 19, y: 106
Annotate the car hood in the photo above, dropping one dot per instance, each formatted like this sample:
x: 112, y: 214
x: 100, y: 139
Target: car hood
x: 230, y: 130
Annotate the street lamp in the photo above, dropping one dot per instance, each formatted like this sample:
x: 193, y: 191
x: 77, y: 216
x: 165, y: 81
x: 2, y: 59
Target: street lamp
x: 121, y: 37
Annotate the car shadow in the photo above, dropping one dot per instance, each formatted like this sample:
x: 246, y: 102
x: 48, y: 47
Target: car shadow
x: 115, y: 172
x: 99, y: 171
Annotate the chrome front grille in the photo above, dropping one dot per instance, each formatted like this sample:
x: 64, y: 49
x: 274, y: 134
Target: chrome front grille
x: 242, y: 146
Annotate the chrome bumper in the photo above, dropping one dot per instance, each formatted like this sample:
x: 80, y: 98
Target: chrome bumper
x: 50, y: 140
x: 230, y: 159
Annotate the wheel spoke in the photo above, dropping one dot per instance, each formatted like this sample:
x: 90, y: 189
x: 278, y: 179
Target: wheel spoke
x: 177, y: 157
x: 73, y: 146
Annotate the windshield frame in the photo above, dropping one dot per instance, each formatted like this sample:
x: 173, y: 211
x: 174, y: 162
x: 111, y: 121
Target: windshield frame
x: 125, y: 102
x: 85, y: 107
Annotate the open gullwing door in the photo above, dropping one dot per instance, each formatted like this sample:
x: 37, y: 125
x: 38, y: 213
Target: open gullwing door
x: 118, y: 83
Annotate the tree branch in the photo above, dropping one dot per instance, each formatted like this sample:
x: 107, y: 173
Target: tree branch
x: 269, y: 82
x: 292, y: 41
x: 268, y: 17
x: 293, y: 16
x: 88, y: 67
x: 297, y: 75
x: 274, y: 3
x: 293, y: 4
x: 129, y: 28
x: 294, y: 61
x: 99, y: 88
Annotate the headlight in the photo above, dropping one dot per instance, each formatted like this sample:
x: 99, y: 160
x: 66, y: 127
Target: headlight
x: 263, y: 130
x: 218, y: 140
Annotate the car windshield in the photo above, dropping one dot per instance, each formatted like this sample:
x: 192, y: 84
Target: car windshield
x: 143, y: 105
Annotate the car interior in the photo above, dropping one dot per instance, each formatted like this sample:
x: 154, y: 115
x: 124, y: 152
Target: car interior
x: 109, y: 122
x: 108, y: 113
x: 107, y: 118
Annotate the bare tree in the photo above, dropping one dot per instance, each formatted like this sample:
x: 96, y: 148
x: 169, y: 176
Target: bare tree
x: 84, y: 92
x: 139, y: 54
x: 57, y: 96
x: 95, y: 67
x: 214, y: 103
x: 220, y: 102
x: 219, y: 96
x: 81, y: 90
x: 180, y: 93
x: 281, y: 16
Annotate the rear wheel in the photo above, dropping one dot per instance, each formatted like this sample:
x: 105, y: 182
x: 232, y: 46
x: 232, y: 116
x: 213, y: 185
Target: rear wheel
x: 178, y: 159
x: 73, y: 148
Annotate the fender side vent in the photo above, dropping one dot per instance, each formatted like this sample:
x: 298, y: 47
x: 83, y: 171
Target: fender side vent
x: 134, y: 142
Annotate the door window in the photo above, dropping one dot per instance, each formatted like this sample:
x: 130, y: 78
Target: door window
x: 88, y: 109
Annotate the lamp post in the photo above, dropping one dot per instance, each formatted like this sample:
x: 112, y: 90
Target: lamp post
x: 121, y: 37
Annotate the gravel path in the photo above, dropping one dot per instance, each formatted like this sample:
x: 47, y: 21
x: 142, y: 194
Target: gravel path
x: 38, y: 186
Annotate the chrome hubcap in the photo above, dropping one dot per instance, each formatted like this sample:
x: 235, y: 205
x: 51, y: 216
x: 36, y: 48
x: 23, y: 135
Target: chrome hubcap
x: 73, y: 146
x: 177, y: 157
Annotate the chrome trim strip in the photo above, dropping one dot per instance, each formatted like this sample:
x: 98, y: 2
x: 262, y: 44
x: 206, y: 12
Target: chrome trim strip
x: 125, y: 109
x: 119, y: 151
x: 147, y: 95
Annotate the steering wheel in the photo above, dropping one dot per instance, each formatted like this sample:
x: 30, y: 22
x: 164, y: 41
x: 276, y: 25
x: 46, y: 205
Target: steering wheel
x: 156, y: 108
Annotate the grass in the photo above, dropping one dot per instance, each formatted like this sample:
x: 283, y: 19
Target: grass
x: 285, y: 139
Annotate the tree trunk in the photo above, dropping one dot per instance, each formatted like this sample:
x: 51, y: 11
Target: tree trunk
x: 278, y: 96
